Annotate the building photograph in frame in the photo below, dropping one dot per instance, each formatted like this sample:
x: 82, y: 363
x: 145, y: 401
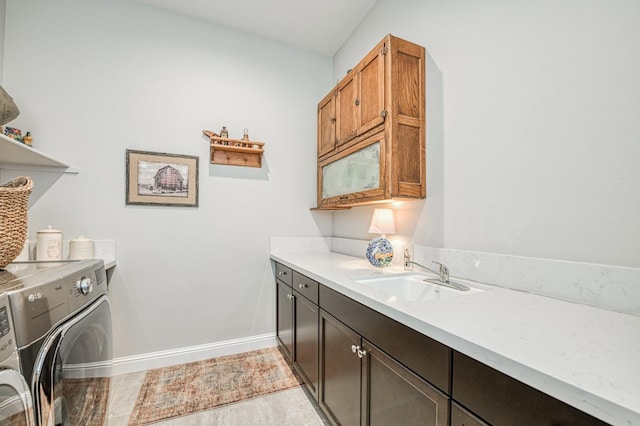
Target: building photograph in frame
x: 156, y: 178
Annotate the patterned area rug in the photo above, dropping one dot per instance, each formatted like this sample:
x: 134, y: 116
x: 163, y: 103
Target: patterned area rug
x: 197, y: 386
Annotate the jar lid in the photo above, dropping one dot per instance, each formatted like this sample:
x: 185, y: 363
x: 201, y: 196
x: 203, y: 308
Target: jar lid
x: 49, y: 230
x: 81, y: 238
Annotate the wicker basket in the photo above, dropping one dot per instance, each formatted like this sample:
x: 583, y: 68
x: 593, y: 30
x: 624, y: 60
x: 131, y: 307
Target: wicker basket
x: 8, y: 108
x: 14, y: 196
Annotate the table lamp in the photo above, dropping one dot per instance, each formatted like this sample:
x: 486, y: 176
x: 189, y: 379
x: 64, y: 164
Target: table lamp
x: 380, y: 250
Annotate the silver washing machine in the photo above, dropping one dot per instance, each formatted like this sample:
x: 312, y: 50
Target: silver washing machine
x: 62, y: 318
x: 15, y: 397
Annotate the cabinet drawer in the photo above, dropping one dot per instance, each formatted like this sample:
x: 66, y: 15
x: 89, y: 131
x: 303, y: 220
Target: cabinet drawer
x: 283, y: 273
x: 426, y: 357
x: 502, y: 400
x: 305, y: 286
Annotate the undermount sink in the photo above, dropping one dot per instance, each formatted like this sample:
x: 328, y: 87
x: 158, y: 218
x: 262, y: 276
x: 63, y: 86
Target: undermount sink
x: 413, y: 287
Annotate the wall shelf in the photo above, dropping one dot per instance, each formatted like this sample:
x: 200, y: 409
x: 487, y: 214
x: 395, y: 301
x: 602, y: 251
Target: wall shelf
x: 15, y: 155
x: 235, y: 152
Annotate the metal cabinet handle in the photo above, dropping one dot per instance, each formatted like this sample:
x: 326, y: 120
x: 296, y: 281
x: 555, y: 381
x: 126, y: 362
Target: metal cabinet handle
x: 356, y: 349
x: 301, y: 286
x: 290, y: 296
x: 282, y: 273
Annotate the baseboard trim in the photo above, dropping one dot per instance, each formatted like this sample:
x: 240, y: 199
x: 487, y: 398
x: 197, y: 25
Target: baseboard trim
x: 135, y: 363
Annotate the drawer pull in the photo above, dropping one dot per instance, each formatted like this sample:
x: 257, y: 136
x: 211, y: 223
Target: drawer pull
x: 301, y: 286
x: 281, y: 273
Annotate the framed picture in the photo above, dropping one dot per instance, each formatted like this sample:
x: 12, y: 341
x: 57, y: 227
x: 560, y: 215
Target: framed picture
x: 156, y: 178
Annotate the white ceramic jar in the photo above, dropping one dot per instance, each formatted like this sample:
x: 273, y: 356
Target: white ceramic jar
x: 49, y: 244
x: 81, y: 248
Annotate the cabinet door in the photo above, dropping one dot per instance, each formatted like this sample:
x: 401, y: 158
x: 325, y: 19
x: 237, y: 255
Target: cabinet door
x: 371, y: 86
x: 347, y: 109
x: 306, y: 342
x: 461, y: 417
x: 284, y: 318
x: 395, y: 395
x: 340, y: 380
x: 353, y: 175
x: 327, y: 124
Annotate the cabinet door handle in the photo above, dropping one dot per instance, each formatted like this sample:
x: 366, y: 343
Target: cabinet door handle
x: 290, y: 296
x: 357, y: 102
x: 357, y: 350
x: 301, y: 286
x: 281, y: 273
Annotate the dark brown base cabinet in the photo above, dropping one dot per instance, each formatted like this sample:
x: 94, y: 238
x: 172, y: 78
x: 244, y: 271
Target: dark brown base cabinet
x: 305, y: 358
x: 340, y: 379
x: 461, y: 417
x: 297, y: 324
x: 361, y: 385
x: 284, y: 320
x: 502, y: 400
x: 364, y: 368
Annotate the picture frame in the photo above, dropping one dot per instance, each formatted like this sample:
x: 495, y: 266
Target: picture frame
x: 161, y: 179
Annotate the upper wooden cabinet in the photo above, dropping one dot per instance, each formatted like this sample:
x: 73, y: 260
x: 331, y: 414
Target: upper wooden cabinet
x: 327, y: 124
x: 371, y: 129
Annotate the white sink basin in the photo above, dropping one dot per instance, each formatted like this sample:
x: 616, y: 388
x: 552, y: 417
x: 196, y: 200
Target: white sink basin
x: 412, y: 288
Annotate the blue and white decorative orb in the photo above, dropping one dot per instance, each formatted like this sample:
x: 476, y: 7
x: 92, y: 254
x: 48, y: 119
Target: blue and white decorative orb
x: 380, y: 252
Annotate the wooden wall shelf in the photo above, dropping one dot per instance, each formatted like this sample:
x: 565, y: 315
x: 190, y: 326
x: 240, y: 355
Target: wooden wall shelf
x: 235, y: 152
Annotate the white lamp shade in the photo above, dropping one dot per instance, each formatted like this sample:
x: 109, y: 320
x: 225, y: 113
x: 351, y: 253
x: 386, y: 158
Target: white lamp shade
x: 382, y: 222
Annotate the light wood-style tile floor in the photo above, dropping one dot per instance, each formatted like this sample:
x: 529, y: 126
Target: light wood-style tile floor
x: 288, y: 407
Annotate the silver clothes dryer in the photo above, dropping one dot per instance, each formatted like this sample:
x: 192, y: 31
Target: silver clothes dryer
x: 16, y: 407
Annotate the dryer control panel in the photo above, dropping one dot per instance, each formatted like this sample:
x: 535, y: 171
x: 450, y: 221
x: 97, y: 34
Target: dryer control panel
x: 7, y: 338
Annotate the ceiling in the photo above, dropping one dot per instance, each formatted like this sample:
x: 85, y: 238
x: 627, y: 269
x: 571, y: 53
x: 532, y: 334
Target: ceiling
x: 319, y: 26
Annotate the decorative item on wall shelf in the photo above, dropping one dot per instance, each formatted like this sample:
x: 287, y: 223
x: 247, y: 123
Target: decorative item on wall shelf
x: 156, y: 178
x: 380, y: 250
x: 8, y: 108
x: 235, y: 152
x: 16, y: 134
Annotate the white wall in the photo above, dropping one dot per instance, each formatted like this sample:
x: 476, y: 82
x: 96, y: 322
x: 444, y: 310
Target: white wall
x: 532, y: 114
x: 94, y: 78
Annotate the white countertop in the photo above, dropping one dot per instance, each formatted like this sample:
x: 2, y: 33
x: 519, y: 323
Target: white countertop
x: 585, y: 356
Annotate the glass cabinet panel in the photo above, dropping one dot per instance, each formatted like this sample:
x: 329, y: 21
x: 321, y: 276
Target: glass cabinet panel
x: 355, y: 172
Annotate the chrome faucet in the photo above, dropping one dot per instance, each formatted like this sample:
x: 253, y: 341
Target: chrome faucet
x: 442, y: 273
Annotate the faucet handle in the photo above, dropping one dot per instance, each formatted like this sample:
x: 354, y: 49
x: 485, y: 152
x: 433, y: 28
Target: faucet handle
x: 444, y: 272
x: 407, y: 259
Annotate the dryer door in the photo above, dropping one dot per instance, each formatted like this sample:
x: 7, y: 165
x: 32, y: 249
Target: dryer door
x: 15, y: 400
x: 73, y: 369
